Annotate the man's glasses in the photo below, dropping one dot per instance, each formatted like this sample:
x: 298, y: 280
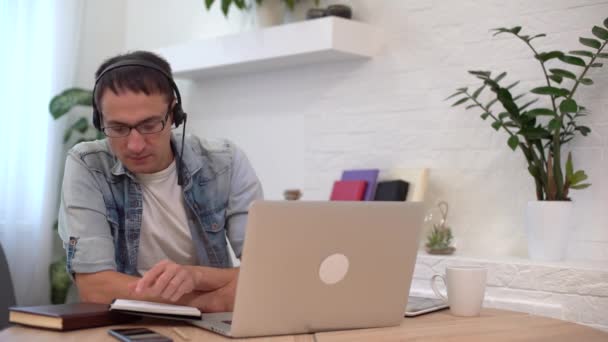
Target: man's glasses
x: 147, y: 127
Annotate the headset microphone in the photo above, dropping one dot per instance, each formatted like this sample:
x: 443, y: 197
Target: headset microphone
x: 180, y: 177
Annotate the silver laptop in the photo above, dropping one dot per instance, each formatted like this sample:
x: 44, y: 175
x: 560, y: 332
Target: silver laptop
x: 320, y: 266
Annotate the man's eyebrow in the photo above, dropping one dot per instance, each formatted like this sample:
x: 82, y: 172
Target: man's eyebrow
x: 118, y: 123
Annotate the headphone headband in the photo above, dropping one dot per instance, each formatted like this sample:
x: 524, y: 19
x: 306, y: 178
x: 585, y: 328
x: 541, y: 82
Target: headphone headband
x: 178, y: 113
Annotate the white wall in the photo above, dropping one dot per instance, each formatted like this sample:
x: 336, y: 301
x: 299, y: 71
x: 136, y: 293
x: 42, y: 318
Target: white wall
x: 302, y: 126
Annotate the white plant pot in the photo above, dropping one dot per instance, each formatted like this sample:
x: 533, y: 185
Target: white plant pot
x: 548, y: 225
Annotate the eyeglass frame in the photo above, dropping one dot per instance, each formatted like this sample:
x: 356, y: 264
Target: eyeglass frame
x: 162, y: 121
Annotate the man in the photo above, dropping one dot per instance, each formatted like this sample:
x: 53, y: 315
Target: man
x: 145, y: 213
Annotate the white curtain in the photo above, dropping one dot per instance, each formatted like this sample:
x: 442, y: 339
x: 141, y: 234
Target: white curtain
x: 39, y: 40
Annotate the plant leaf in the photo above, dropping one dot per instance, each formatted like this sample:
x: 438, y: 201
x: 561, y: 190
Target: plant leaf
x: 599, y: 32
x: 596, y: 65
x: 572, y: 60
x: 568, y: 106
x: 537, y: 36
x: 522, y: 108
x: 554, y: 124
x: 602, y: 55
x: 478, y: 91
x: 69, y: 98
x: 512, y: 85
x: 583, y: 53
x: 461, y: 101
x: 496, y: 125
x: 455, y: 94
x: 226, y: 7
x: 590, y: 42
x: 563, y: 73
x: 485, y: 115
x: 492, y: 102
x: 208, y: 3
x: 471, y: 106
x: 500, y: 77
x: 540, y: 111
x: 606, y: 22
x: 569, y: 168
x: 513, y: 142
x: 81, y: 125
x: 535, y: 133
x: 556, y: 78
x: 503, y: 115
x: 545, y: 56
x: 480, y: 73
x: 578, y: 177
x: 583, y: 129
x: 586, y: 81
x: 550, y: 91
x: 580, y: 186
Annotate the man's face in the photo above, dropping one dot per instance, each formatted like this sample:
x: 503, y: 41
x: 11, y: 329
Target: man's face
x: 139, y: 153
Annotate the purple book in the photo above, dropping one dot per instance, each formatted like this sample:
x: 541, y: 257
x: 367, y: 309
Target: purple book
x: 369, y: 175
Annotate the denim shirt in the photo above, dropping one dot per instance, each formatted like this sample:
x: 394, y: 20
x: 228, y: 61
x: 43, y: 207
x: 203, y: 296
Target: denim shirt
x: 101, y: 206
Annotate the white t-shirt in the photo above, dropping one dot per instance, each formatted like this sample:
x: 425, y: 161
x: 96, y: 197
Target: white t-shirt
x: 164, y: 227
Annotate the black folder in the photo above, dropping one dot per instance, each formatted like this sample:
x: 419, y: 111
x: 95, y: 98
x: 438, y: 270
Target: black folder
x: 395, y: 190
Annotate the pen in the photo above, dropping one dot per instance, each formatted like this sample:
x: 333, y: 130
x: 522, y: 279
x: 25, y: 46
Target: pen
x: 181, y: 334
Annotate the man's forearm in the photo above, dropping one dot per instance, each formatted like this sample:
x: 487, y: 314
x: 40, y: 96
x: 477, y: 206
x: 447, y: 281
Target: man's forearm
x: 210, y: 278
x: 105, y: 286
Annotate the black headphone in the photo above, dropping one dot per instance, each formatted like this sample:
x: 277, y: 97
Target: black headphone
x: 179, y: 116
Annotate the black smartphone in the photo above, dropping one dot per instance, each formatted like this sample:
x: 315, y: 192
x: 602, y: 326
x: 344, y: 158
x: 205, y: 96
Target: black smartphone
x: 138, y: 334
x: 417, y: 306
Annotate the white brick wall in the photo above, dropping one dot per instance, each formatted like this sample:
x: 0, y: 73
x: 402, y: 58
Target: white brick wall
x: 570, y: 291
x: 302, y: 126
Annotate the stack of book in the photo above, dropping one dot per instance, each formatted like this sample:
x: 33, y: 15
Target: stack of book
x: 363, y: 185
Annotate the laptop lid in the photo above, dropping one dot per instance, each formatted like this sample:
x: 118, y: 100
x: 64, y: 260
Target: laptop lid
x: 317, y: 266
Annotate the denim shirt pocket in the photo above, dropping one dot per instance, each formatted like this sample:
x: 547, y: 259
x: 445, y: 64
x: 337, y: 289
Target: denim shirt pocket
x: 214, y: 229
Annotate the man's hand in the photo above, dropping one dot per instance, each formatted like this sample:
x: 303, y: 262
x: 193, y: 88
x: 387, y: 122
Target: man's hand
x: 167, y: 280
x: 220, y: 299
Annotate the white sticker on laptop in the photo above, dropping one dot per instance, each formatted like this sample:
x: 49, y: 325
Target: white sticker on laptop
x: 333, y: 269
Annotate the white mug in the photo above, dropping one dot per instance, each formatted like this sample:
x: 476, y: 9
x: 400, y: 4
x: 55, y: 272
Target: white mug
x: 466, y: 287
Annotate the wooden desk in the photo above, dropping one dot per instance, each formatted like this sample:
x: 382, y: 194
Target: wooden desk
x: 25, y: 334
x: 492, y: 325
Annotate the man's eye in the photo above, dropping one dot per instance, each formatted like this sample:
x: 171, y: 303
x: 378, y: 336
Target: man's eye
x: 149, y: 126
x: 119, y: 129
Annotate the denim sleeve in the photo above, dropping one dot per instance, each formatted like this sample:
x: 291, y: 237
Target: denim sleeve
x: 245, y: 187
x: 83, y: 226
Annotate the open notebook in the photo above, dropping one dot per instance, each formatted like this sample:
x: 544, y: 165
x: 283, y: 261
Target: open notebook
x: 161, y: 310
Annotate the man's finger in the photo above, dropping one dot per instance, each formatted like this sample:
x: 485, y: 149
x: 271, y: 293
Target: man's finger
x: 162, y: 281
x: 149, y: 278
x: 182, y: 290
x: 173, y: 286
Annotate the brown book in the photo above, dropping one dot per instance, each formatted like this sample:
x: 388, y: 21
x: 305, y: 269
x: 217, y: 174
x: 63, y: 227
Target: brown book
x: 68, y: 316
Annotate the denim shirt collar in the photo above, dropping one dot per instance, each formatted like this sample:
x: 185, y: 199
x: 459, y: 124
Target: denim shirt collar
x: 191, y: 164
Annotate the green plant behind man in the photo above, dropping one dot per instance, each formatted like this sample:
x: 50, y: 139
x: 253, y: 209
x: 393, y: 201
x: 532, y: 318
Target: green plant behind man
x: 541, y: 132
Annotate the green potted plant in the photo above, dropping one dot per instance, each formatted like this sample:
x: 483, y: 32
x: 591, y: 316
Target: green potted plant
x: 541, y: 132
x: 80, y: 130
x: 267, y: 13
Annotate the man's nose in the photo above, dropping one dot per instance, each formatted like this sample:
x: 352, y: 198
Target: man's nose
x: 135, y: 142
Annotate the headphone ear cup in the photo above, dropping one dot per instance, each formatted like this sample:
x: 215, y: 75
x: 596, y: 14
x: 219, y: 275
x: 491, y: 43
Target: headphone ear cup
x: 96, y: 121
x: 178, y: 115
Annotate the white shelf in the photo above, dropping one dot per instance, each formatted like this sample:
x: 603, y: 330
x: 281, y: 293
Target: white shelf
x: 321, y: 40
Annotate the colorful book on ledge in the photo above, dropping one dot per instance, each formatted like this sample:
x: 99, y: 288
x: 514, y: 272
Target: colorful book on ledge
x: 68, y: 316
x: 153, y: 309
x: 348, y: 190
x: 368, y: 175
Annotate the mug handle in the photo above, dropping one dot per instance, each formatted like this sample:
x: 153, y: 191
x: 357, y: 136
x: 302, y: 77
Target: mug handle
x: 434, y: 287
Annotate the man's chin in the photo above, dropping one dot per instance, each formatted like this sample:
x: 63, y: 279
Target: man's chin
x: 135, y: 167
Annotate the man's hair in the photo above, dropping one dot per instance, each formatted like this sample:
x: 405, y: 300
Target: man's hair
x: 138, y: 79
